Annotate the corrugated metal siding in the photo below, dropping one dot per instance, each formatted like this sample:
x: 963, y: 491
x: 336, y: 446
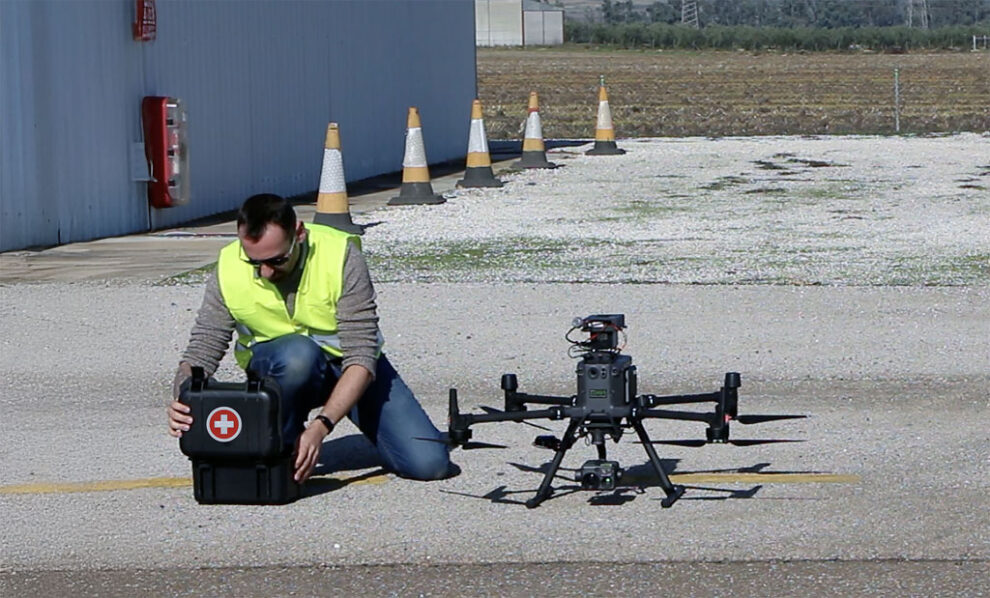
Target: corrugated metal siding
x: 260, y: 81
x: 66, y: 123
x: 20, y: 199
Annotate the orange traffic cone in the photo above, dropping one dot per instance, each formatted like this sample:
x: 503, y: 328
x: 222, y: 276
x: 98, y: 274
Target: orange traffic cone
x: 534, y: 153
x: 331, y: 202
x: 478, y: 171
x: 416, y: 187
x: 604, y: 134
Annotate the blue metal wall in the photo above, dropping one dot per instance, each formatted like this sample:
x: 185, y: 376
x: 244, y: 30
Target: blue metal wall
x: 260, y: 80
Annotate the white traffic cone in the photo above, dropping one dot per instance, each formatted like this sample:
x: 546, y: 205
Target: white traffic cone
x: 534, y: 153
x: 604, y: 133
x: 331, y: 203
x: 478, y: 170
x: 416, y: 187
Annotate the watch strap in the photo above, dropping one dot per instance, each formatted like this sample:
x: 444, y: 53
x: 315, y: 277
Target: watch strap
x: 325, y: 421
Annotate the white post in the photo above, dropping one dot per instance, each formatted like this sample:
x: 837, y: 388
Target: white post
x: 897, y: 101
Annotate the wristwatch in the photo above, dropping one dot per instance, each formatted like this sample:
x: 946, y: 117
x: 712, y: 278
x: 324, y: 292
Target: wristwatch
x: 325, y: 421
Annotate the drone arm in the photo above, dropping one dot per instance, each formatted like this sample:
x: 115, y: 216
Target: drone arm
x: 678, y: 415
x: 516, y: 401
x: 469, y: 419
x: 521, y: 397
x: 653, y: 400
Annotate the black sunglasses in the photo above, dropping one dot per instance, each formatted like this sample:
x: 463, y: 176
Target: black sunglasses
x: 274, y: 261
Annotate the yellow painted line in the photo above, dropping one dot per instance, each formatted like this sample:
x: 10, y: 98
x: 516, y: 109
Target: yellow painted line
x: 764, y: 478
x: 98, y: 486
x: 115, y: 485
x: 682, y: 478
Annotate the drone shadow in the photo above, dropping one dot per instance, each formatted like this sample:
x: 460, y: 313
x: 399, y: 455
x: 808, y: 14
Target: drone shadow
x: 636, y: 480
x: 755, y: 468
x: 668, y: 465
x: 616, y: 497
x: 645, y: 474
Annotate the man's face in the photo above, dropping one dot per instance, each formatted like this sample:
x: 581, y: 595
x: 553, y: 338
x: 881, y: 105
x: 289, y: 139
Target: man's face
x: 274, y: 254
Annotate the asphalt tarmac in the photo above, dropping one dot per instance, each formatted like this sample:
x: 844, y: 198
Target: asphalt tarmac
x: 882, y: 489
x: 802, y: 578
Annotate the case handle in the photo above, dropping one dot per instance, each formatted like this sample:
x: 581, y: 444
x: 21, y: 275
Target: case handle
x: 198, y: 378
x: 253, y: 381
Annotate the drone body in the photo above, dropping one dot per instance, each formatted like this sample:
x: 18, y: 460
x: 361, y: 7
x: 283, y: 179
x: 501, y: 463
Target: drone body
x: 605, y: 405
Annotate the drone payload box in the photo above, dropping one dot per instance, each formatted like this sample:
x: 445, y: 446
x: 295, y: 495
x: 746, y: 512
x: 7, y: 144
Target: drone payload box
x: 235, y: 442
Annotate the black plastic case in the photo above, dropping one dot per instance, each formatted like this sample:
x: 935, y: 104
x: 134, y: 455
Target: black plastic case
x: 245, y: 482
x: 243, y: 460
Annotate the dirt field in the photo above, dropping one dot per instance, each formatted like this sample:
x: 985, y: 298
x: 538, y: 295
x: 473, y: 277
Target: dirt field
x: 669, y: 93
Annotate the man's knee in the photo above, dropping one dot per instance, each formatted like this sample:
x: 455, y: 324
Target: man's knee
x: 427, y: 463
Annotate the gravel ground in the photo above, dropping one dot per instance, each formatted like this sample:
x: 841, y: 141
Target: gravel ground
x: 864, y: 211
x: 892, y: 371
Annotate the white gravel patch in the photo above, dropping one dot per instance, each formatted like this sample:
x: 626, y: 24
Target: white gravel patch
x: 747, y: 210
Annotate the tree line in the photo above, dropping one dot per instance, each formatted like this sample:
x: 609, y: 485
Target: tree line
x: 727, y: 37
x: 794, y: 13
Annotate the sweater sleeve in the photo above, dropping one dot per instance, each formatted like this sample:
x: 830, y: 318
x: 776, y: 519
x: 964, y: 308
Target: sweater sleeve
x: 357, y: 313
x: 210, y: 335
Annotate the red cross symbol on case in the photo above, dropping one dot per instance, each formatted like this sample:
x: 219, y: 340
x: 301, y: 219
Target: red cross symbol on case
x: 223, y: 424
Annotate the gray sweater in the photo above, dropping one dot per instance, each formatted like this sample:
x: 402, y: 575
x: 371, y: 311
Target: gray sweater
x: 357, y: 318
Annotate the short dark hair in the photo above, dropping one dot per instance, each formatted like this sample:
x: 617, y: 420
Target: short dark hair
x: 265, y: 208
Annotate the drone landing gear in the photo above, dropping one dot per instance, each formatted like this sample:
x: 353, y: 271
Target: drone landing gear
x: 545, y: 488
x: 672, y: 491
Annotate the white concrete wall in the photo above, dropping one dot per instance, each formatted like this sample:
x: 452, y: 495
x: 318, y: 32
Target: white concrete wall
x: 543, y: 28
x: 498, y: 22
x: 260, y: 80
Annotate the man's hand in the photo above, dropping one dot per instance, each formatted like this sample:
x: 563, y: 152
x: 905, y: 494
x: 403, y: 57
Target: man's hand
x: 346, y: 392
x: 179, y: 419
x: 308, y: 450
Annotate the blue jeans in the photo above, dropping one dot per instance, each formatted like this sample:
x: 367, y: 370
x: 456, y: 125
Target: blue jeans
x: 388, y: 413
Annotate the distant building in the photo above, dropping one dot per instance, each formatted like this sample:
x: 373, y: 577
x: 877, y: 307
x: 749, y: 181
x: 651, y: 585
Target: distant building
x: 259, y: 81
x: 518, y: 23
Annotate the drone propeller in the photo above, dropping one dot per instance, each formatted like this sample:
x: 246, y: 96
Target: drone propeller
x: 487, y: 409
x: 469, y: 445
x: 697, y: 443
x: 759, y: 419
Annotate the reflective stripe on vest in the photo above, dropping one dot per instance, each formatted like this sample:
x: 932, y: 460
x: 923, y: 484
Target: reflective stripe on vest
x: 259, y: 309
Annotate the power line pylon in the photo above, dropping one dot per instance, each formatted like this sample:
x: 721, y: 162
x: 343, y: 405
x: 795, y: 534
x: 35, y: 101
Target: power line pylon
x: 689, y: 13
x: 918, y: 9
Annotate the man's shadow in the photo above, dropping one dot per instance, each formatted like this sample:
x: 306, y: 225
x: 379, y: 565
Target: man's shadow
x: 352, y: 453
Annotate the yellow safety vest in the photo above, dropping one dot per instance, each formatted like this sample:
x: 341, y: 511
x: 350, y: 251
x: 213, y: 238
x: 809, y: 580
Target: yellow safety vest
x: 259, y: 309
